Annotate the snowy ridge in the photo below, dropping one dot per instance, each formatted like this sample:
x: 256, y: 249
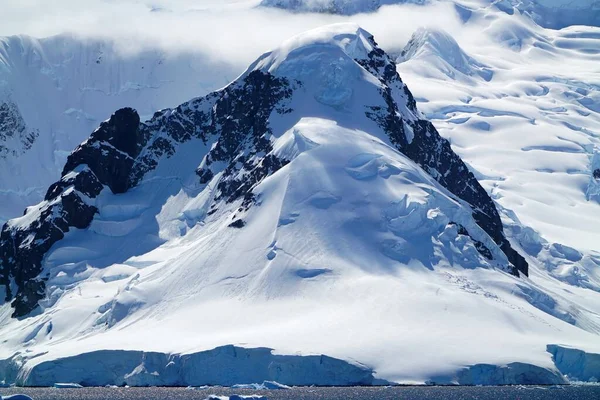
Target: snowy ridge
x: 316, y: 168
x: 438, y: 49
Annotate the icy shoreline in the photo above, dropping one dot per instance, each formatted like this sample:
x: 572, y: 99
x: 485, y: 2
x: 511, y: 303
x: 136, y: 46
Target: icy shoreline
x: 228, y: 366
x: 223, y: 366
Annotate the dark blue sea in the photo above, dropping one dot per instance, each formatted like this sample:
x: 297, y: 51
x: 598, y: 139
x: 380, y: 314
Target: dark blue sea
x: 377, y: 393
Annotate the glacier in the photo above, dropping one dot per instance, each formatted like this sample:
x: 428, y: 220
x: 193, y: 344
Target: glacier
x: 224, y: 366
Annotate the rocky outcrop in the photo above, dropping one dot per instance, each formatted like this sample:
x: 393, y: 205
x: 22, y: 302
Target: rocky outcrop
x: 111, y: 150
x: 105, y: 159
x: 15, y: 137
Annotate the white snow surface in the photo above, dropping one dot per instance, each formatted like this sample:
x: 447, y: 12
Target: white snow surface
x: 348, y: 252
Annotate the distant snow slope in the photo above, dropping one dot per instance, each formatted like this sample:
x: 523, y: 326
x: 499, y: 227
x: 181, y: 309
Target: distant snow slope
x: 291, y: 211
x: 530, y: 127
x: 344, y: 7
x: 554, y: 14
x: 55, y: 91
x: 557, y: 14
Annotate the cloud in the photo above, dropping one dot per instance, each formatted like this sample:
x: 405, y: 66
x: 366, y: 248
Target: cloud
x: 232, y: 31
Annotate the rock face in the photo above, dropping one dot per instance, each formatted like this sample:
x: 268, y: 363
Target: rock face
x: 110, y: 151
x: 15, y: 137
x: 105, y: 159
x: 65, y: 85
x: 235, y: 124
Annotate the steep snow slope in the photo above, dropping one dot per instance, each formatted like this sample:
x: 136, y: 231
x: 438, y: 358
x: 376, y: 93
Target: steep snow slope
x: 55, y: 91
x: 309, y: 204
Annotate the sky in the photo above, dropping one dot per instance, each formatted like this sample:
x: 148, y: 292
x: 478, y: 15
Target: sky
x: 235, y: 31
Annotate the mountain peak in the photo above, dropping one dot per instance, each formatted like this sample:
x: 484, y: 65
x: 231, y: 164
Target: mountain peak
x: 335, y: 62
x: 437, y: 47
x: 350, y: 39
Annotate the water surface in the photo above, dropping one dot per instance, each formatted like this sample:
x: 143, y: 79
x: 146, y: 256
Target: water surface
x: 358, y: 393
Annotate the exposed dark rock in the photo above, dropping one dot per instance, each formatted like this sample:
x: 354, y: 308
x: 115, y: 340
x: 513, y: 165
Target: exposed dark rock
x: 597, y: 174
x: 23, y: 246
x: 104, y: 159
x: 85, y: 181
x: 13, y: 128
x: 205, y: 175
x: 110, y: 150
x: 480, y: 246
x: 238, y: 223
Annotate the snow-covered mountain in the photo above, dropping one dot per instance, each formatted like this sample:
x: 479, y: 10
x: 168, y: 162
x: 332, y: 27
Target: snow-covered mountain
x: 55, y: 91
x: 307, y: 207
x: 554, y: 14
